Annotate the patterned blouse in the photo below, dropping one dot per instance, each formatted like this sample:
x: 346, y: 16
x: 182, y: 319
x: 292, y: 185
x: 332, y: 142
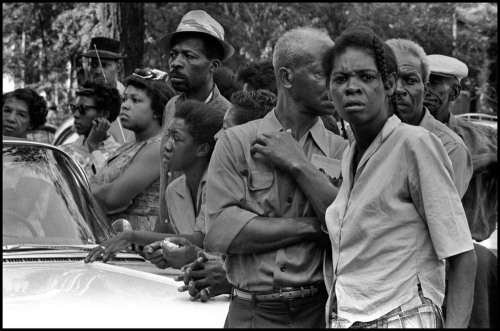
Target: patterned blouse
x: 142, y: 211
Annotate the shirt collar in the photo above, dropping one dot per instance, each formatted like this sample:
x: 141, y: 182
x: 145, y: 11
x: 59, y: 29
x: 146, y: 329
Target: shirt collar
x: 428, y: 121
x: 270, y: 123
x: 214, y: 95
x: 182, y: 189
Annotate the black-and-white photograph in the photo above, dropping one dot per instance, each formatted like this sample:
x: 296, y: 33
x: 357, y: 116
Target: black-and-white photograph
x: 250, y: 165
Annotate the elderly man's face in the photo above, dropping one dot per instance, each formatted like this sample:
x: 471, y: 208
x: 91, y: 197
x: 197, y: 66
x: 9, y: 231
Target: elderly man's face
x: 438, y: 94
x: 309, y: 81
x: 410, y: 88
x: 110, y: 69
x: 190, y: 69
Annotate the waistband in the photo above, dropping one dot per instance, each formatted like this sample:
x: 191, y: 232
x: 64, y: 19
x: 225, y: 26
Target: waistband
x: 283, y: 294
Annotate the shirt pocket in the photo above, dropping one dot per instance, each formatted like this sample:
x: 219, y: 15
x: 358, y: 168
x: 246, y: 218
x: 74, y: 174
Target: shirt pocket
x: 260, y: 184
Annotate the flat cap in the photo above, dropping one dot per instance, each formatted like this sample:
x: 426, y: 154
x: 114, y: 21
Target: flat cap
x: 447, y: 66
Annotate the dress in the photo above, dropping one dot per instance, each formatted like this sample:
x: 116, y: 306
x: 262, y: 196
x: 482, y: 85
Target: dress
x: 91, y: 162
x: 392, y: 224
x: 142, y: 212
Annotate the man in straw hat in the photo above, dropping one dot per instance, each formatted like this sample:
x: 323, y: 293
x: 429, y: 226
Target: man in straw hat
x: 480, y: 199
x: 104, y: 67
x: 195, y: 50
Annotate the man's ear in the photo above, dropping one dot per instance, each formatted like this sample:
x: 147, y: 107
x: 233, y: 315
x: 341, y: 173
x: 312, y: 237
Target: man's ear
x: 285, y: 76
x: 215, y: 63
x: 426, y: 86
x: 391, y: 83
x: 454, y: 92
x: 203, y: 149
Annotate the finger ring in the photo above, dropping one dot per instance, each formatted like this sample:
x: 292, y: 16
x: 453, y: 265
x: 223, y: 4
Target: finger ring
x: 207, y: 291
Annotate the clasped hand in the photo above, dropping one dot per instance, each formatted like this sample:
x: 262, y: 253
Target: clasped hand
x: 279, y: 148
x: 204, y: 278
x: 98, y: 133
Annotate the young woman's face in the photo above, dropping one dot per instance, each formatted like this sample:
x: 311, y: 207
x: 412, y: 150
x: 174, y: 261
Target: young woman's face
x: 83, y: 118
x: 16, y: 119
x: 136, y: 113
x: 356, y: 87
x: 179, y: 151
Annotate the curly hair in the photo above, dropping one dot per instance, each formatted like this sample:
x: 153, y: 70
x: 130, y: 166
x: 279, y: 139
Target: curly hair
x: 364, y: 39
x: 260, y: 75
x: 252, y: 105
x: 106, y: 97
x: 203, y: 121
x: 157, y: 90
x: 37, y: 106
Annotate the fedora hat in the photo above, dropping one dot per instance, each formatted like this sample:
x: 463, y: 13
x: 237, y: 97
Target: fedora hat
x: 108, y: 48
x: 199, y: 21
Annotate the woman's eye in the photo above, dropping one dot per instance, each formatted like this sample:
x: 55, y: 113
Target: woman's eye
x: 339, y: 79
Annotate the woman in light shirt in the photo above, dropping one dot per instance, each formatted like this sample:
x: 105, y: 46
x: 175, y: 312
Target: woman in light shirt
x: 398, y: 215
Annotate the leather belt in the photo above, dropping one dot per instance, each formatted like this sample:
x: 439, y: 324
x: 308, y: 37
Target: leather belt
x: 284, y: 294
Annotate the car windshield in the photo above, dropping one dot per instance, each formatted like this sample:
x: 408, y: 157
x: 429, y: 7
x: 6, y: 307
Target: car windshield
x: 46, y: 200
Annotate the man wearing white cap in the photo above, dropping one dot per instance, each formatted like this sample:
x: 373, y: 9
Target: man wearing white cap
x: 480, y: 199
x: 411, y: 87
x: 195, y: 50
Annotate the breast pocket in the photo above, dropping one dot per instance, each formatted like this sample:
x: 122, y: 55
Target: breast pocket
x: 260, y: 184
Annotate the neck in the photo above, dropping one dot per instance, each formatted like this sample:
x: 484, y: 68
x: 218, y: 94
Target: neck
x: 194, y: 175
x: 365, y: 133
x: 148, y: 133
x: 202, y: 93
x: 444, y: 113
x: 291, y: 116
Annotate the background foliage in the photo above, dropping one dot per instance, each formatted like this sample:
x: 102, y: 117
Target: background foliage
x: 43, y: 41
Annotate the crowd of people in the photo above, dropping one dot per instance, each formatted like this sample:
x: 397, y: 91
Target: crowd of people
x: 334, y: 189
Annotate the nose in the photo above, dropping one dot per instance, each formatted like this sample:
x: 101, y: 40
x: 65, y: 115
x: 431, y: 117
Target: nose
x: 175, y: 62
x: 167, y: 147
x: 352, y: 86
x: 10, y: 117
x: 400, y: 88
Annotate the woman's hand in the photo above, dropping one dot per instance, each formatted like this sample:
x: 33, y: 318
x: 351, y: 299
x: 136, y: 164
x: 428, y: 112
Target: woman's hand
x: 110, y: 247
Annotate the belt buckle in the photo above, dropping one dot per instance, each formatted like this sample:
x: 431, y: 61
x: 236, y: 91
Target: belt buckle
x: 285, y: 299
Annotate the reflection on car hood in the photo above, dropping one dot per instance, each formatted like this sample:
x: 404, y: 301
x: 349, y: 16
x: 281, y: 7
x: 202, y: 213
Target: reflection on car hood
x: 75, y: 294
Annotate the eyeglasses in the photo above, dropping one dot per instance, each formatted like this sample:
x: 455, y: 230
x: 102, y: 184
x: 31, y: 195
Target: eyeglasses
x: 81, y: 108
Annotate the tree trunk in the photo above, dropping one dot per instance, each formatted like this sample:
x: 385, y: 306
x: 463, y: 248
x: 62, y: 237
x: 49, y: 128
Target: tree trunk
x: 132, y: 35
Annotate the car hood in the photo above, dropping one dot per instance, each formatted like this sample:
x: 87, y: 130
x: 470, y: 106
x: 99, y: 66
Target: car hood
x: 75, y: 294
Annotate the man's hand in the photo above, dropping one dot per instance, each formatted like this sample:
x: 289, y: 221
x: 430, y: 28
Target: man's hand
x: 279, y: 148
x: 154, y: 254
x: 204, y: 279
x: 98, y: 133
x: 177, y: 257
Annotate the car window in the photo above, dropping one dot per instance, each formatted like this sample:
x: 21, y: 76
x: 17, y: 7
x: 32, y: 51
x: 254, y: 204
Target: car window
x: 45, y: 201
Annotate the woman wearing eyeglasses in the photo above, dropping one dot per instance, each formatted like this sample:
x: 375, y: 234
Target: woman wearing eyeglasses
x: 128, y: 184
x: 97, y: 105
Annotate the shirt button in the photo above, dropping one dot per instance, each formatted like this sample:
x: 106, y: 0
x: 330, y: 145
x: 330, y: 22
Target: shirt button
x: 283, y: 269
x: 289, y: 199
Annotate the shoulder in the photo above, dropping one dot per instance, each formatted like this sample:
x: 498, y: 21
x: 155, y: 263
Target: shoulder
x: 176, y: 183
x: 222, y: 103
x: 447, y: 135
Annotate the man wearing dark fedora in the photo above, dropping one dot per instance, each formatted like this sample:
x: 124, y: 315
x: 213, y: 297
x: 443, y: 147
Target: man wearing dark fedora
x: 104, y: 67
x: 195, y: 50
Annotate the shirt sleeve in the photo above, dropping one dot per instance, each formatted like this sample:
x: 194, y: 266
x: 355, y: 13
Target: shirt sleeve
x: 97, y: 161
x: 200, y: 222
x: 435, y: 196
x: 462, y: 167
x: 225, y: 194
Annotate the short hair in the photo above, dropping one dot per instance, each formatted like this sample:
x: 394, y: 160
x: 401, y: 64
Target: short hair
x: 203, y: 121
x: 157, y: 90
x: 212, y: 48
x: 364, y: 39
x: 409, y: 46
x: 288, y: 51
x: 253, y: 105
x: 258, y: 74
x: 37, y: 106
x: 106, y: 97
x: 226, y: 83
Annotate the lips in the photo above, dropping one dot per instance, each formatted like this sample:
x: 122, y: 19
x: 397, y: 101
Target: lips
x: 353, y: 103
x: 9, y: 128
x: 177, y: 76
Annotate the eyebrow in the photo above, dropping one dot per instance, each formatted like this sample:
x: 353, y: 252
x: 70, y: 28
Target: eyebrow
x: 357, y: 71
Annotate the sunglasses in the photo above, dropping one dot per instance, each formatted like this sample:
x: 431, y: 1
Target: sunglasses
x: 81, y: 108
